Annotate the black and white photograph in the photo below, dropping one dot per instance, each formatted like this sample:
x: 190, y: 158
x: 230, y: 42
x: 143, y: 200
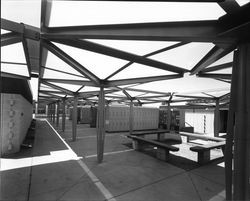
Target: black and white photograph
x: 123, y: 100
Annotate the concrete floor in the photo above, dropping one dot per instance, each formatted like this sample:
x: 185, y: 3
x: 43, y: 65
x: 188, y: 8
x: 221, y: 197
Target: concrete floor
x: 58, y: 169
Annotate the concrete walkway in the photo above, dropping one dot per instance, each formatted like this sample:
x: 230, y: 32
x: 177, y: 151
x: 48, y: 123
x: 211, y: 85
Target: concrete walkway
x: 58, y: 169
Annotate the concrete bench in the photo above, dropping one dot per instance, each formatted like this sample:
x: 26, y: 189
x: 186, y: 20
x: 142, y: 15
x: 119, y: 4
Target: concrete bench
x: 204, y: 151
x: 160, y: 133
x: 162, y: 151
x: 202, y: 137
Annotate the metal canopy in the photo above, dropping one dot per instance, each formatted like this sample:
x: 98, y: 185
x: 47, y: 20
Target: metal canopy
x: 135, y: 70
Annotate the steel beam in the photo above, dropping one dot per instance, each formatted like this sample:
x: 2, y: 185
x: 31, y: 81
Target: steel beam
x: 213, y: 55
x: 101, y: 49
x: 20, y: 29
x: 227, y: 81
x: 218, y: 67
x: 10, y: 38
x: 50, y: 94
x: 100, y: 125
x: 147, y: 91
x: 51, y: 91
x: 192, y: 31
x: 68, y: 81
x: 147, y: 55
x: 141, y: 80
x: 66, y: 91
x: 56, y: 70
x: 74, y: 118
x: 197, y: 97
x: 27, y: 55
x: 10, y: 75
x: 215, y: 75
x: 184, y: 100
x: 45, y: 14
x: 70, y: 61
x: 229, y: 6
x: 236, y: 24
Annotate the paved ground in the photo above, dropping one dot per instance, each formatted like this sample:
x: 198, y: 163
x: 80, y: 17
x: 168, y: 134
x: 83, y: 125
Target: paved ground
x: 58, y: 169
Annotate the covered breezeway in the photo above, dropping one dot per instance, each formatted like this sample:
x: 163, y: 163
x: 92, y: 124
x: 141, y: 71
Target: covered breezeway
x: 192, y: 54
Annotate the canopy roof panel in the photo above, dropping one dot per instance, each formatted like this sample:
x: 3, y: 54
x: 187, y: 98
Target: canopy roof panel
x: 13, y: 53
x: 138, y: 70
x: 15, y: 69
x: 227, y: 58
x: 118, y: 54
x: 101, y: 65
x: 185, y: 84
x: 185, y: 56
x: 134, y: 46
x: 57, y: 64
x: 25, y: 11
x: 72, y: 13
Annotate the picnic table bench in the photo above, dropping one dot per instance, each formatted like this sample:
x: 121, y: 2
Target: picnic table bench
x: 162, y: 151
x: 160, y: 133
x: 200, y: 136
x: 204, y: 150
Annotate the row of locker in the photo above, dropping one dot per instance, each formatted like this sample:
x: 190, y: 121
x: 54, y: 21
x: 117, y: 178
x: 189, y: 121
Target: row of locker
x: 117, y: 117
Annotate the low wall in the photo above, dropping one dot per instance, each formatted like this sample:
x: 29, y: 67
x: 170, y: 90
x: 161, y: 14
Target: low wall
x: 16, y: 116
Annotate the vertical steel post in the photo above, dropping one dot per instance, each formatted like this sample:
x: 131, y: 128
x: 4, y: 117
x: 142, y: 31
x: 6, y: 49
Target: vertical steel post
x: 63, y: 115
x: 230, y: 130
x: 241, y: 171
x: 100, y: 125
x: 54, y: 112
x: 51, y: 112
x: 36, y: 109
x: 74, y: 118
x: 169, y: 116
x: 48, y: 114
x: 46, y: 111
x: 216, y: 118
x: 57, y: 113
x: 131, y: 117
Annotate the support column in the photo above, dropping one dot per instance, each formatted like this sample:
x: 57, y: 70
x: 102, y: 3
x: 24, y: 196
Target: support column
x: 131, y: 117
x: 169, y: 116
x: 63, y: 115
x: 100, y: 125
x: 54, y: 112
x: 36, y: 109
x: 47, y: 111
x: 230, y: 131
x: 74, y: 118
x: 57, y: 113
x: 51, y: 112
x: 241, y: 176
x: 216, y: 118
